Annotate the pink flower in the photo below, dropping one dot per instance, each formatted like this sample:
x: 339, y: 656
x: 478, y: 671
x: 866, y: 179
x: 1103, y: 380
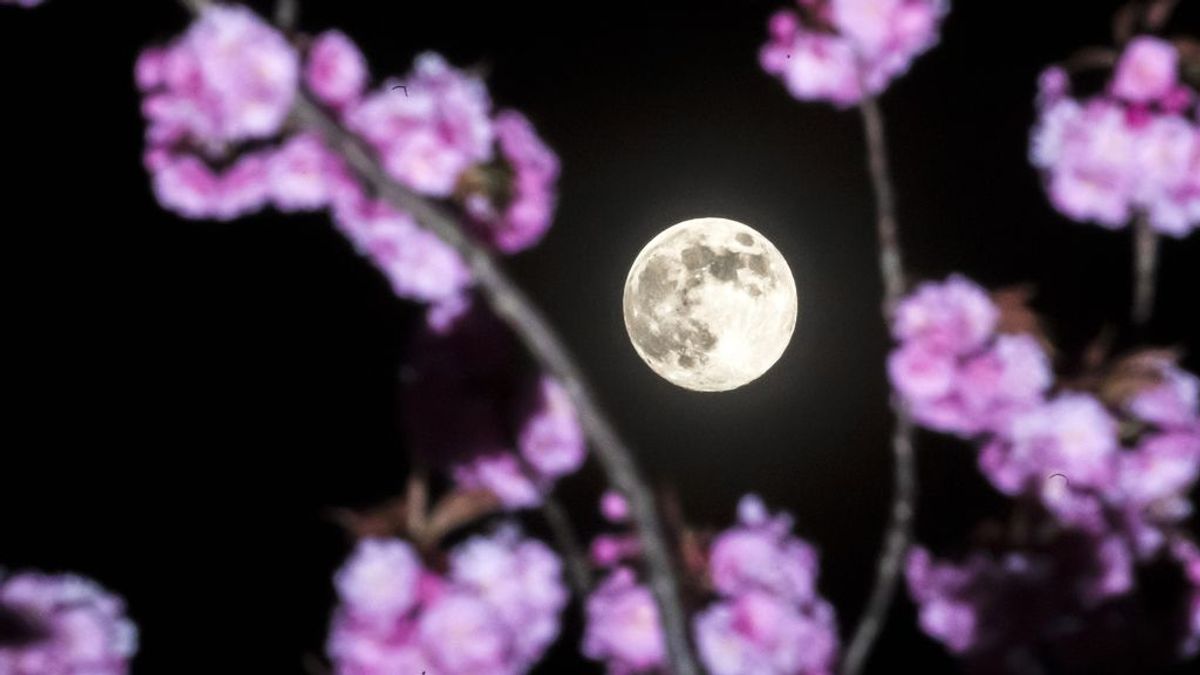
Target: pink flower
x: 1147, y: 71
x: 74, y: 626
x: 622, y: 626
x: 763, y: 556
x: 841, y: 45
x: 955, y: 315
x: 304, y: 175
x: 186, y: 185
x: 551, y: 440
x: 428, y: 138
x: 1073, y: 435
x: 230, y: 77
x: 522, y: 580
x: 462, y: 634
x: 769, y: 619
x: 336, y: 70
x: 418, y: 264
x: 496, y: 611
x: 1110, y: 158
x: 761, y: 633
x: 513, y: 213
x: 501, y: 473
x: 614, y: 507
x: 380, y: 579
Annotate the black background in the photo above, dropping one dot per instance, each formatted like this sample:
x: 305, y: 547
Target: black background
x: 186, y: 399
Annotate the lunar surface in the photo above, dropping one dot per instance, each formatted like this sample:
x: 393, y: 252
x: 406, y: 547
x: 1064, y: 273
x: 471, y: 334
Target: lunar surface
x: 710, y: 304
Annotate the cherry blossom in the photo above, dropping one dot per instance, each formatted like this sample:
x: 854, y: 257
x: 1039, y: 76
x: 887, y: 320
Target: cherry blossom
x: 72, y: 626
x: 830, y: 50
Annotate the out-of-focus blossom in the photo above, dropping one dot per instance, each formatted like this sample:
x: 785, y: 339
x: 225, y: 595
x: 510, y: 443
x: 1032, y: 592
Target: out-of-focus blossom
x: 955, y: 316
x: 72, y: 626
x: 761, y: 633
x: 762, y: 555
x: 418, y: 264
x: 336, y: 71
x: 230, y: 77
x: 22, y: 3
x: 426, y: 139
x: 622, y: 626
x: 471, y: 409
x: 1068, y: 606
x: 769, y: 618
x: 496, y: 610
x: 952, y: 369
x: 512, y: 200
x: 303, y: 175
x: 830, y: 50
x: 614, y: 507
x: 1131, y: 151
x: 185, y: 184
x: 379, y: 581
x: 550, y: 439
x: 1148, y: 70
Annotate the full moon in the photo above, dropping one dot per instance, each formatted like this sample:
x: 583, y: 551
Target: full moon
x: 710, y: 304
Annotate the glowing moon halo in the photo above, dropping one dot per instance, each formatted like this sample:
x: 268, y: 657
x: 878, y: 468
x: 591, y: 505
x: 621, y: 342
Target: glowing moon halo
x: 710, y: 304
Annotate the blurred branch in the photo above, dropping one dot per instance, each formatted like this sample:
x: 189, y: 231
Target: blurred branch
x: 515, y: 308
x: 1145, y: 265
x: 898, y: 535
x: 578, y: 572
x: 287, y: 12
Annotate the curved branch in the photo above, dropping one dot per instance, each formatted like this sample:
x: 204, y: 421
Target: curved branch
x: 898, y: 535
x: 516, y: 309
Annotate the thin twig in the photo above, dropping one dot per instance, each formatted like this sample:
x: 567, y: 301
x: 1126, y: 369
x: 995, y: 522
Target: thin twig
x: 1145, y: 265
x: 898, y: 535
x: 578, y: 572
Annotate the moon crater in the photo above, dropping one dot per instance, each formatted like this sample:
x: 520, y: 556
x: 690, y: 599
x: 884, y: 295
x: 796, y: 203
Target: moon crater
x: 710, y: 304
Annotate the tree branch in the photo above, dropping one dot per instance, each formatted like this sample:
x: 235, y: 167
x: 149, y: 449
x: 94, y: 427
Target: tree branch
x: 578, y: 572
x: 898, y: 535
x: 1145, y: 265
x: 516, y: 309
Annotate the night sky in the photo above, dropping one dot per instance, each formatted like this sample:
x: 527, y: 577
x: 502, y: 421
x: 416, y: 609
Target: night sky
x: 188, y: 399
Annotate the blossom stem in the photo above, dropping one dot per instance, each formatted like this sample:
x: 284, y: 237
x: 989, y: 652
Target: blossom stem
x: 578, y: 572
x: 514, y: 307
x: 898, y: 535
x: 1145, y: 265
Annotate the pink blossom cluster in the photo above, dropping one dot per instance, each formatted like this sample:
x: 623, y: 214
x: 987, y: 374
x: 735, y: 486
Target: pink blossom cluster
x: 217, y: 101
x: 495, y: 610
x: 470, y: 408
x: 622, y: 626
x: 1126, y: 467
x: 954, y: 372
x: 767, y: 617
x: 1110, y: 467
x: 1056, y: 607
x: 1131, y: 151
x: 833, y: 50
x: 69, y: 626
